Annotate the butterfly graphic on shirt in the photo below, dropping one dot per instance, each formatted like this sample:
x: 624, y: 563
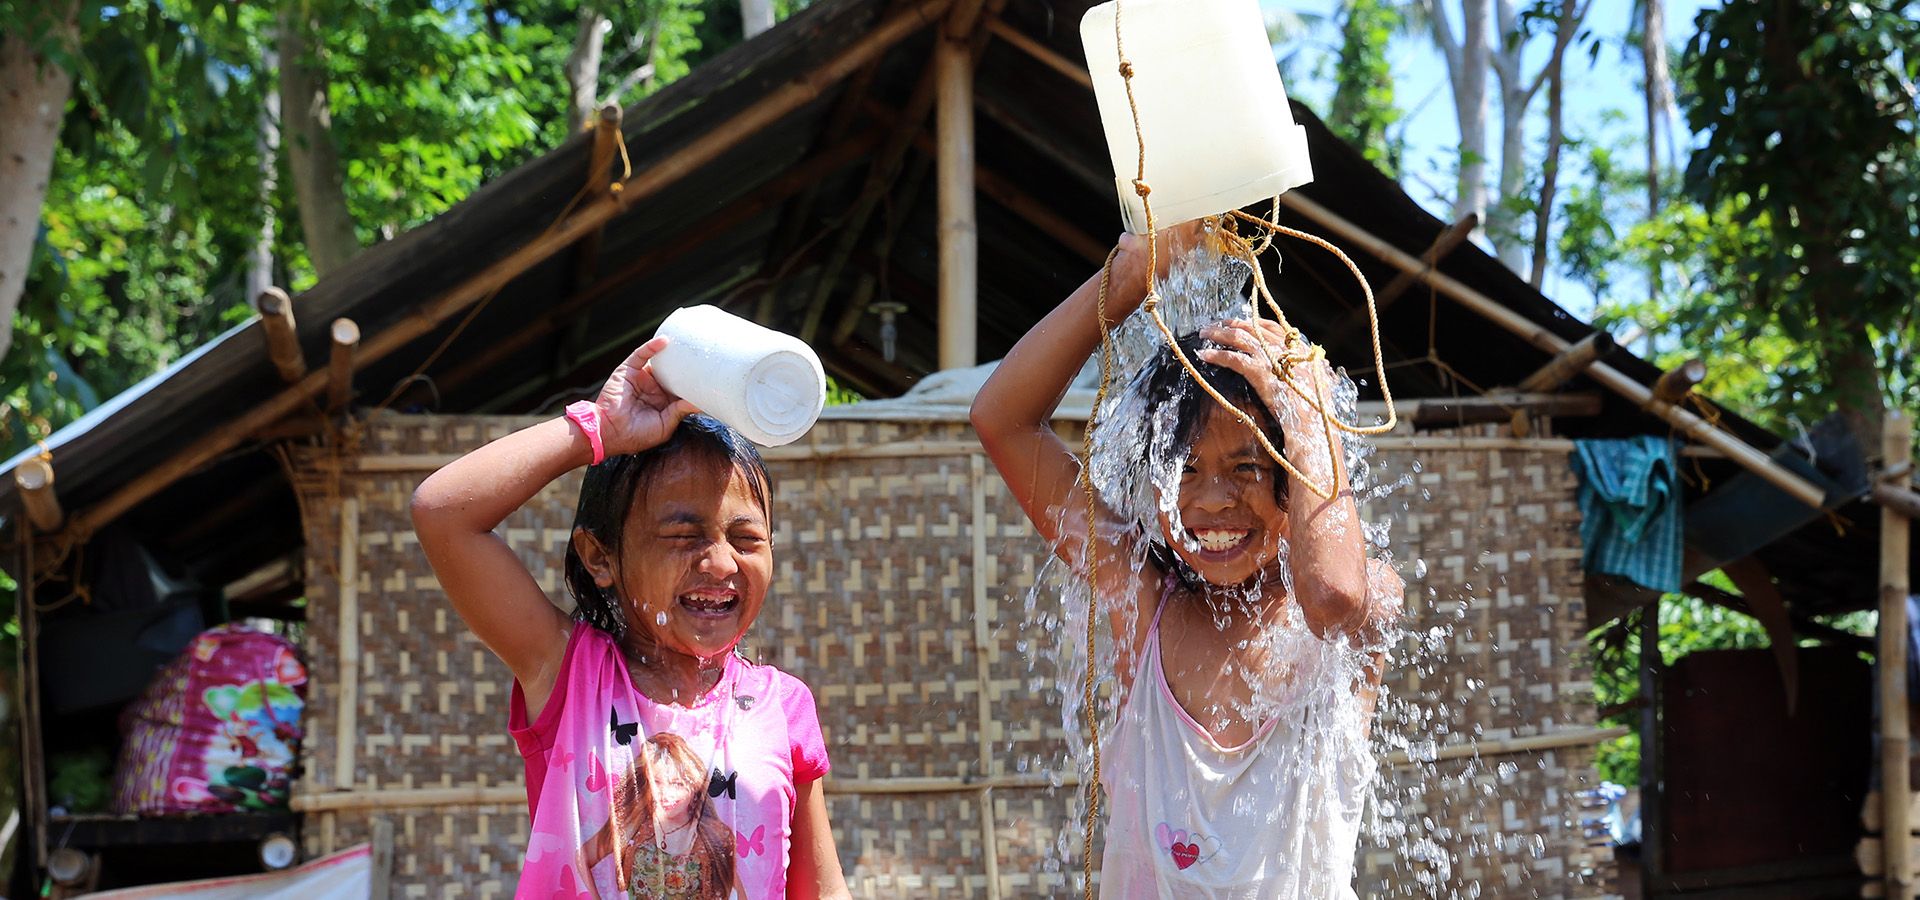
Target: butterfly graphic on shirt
x: 727, y: 784
x: 623, y: 733
x: 751, y: 845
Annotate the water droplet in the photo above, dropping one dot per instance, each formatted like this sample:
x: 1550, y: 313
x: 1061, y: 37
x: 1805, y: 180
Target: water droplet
x: 1419, y: 568
x: 661, y: 619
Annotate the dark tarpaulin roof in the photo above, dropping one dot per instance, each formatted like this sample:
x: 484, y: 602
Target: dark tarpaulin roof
x: 727, y: 233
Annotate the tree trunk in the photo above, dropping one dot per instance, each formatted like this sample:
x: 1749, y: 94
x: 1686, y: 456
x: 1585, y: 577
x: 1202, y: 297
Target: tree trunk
x: 33, y: 99
x: 583, y: 69
x: 1653, y: 52
x: 267, y: 143
x: 1467, y: 63
x: 1549, y: 178
x: 1503, y: 215
x: 312, y: 160
x: 755, y: 16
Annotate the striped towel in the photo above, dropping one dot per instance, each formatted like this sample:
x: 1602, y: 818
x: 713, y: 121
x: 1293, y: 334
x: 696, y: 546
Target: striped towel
x: 1630, y: 509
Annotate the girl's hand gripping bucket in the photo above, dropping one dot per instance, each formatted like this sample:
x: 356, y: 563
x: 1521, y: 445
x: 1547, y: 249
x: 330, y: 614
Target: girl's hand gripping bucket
x: 1212, y: 108
x: 766, y: 385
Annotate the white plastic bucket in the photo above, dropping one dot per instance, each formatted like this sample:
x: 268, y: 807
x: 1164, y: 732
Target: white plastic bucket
x: 1218, y: 130
x: 766, y: 385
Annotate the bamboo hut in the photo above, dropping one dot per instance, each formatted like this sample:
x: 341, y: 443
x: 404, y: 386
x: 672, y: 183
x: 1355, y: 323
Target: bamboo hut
x: 788, y: 180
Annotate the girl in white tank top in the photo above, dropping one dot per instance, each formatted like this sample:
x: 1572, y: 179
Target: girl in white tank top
x: 1246, y: 617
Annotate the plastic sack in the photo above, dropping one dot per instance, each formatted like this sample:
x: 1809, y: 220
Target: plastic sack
x: 218, y: 730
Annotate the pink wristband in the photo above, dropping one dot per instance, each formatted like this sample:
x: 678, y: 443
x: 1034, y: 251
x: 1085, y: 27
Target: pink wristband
x: 586, y: 414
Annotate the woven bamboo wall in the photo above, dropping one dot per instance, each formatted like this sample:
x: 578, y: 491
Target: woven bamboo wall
x: 901, y: 567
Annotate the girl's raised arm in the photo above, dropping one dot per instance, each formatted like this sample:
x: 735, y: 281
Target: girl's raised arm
x: 1013, y: 412
x: 456, y: 509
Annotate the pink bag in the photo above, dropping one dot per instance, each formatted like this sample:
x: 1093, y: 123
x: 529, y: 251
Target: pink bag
x: 218, y: 729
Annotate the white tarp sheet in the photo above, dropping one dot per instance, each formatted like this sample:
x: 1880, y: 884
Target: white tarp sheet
x: 347, y: 875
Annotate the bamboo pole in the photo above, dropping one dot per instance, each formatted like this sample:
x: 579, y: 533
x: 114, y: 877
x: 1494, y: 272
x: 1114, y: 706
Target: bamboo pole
x: 34, y: 478
x: 1577, y: 737
x: 1896, y: 447
x: 346, y: 336
x: 1676, y: 383
x: 283, y: 340
x: 1449, y: 240
x: 346, y: 801
x: 1007, y: 194
x: 347, y: 718
x: 1691, y: 426
x: 1041, y: 53
x: 982, y: 645
x: 959, y: 229
x: 591, y: 215
x: 1569, y: 362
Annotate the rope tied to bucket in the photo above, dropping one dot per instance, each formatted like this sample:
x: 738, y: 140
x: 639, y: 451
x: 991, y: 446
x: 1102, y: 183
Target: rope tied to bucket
x: 1295, y: 352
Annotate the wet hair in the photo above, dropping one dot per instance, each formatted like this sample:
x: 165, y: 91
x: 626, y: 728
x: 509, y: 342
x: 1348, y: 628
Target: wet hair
x: 607, y: 495
x: 1165, y: 381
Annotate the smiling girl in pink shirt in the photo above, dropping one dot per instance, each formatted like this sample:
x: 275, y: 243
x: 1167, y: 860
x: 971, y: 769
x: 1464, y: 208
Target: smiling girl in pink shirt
x: 659, y: 762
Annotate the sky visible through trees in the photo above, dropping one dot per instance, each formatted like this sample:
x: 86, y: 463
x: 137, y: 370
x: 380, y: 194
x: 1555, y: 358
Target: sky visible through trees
x: 1603, y: 104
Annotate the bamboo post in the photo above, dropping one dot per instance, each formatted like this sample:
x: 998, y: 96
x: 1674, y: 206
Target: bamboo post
x: 591, y: 215
x: 346, y: 336
x: 982, y: 644
x: 1896, y: 446
x: 1677, y: 383
x: 959, y: 231
x: 1653, y: 816
x: 1689, y: 425
x: 347, y: 717
x: 1568, y: 363
x: 34, y: 478
x: 382, y: 886
x: 283, y: 342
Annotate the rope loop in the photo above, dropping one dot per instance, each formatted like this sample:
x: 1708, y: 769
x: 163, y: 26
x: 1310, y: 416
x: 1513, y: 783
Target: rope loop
x: 1126, y: 69
x: 1141, y: 187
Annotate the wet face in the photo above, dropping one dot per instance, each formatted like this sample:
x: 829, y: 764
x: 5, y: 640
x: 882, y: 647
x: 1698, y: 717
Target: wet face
x: 1231, y: 518
x: 695, y: 562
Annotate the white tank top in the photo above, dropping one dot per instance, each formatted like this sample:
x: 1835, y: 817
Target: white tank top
x: 1276, y: 817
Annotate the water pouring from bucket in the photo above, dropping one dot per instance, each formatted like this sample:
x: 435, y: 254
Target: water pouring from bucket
x: 1195, y: 553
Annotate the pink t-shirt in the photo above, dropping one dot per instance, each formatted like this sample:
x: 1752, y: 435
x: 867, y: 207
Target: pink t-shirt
x: 632, y: 798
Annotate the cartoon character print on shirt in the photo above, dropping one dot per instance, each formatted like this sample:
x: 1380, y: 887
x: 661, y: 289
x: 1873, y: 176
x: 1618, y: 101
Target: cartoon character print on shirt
x: 1186, y: 849
x: 664, y: 835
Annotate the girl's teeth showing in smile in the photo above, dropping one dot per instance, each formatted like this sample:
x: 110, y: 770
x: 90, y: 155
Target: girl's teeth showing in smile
x: 710, y: 603
x: 1218, y: 540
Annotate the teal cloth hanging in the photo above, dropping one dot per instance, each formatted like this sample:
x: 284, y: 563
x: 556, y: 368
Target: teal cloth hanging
x: 1630, y: 509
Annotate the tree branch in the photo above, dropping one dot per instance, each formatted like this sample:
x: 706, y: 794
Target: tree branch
x: 1569, y: 24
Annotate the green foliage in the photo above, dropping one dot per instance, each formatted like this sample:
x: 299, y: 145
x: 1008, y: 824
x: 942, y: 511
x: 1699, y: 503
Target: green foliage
x: 155, y: 194
x: 1363, y: 108
x: 1810, y: 170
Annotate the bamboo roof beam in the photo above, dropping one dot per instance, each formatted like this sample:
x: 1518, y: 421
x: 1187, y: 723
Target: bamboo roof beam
x: 1041, y: 53
x: 277, y: 328
x: 591, y: 215
x: 1568, y: 363
x: 880, y: 179
x: 1688, y: 424
x: 34, y: 478
x: 654, y: 259
x: 1449, y: 239
x: 1677, y: 383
